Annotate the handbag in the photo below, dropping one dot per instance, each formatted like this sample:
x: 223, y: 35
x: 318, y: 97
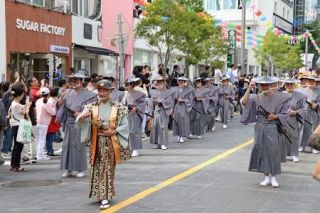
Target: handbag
x: 314, y: 141
x: 24, y: 131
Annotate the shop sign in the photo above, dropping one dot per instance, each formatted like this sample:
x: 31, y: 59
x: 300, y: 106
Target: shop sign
x: 59, y: 49
x: 232, y: 47
x: 39, y: 27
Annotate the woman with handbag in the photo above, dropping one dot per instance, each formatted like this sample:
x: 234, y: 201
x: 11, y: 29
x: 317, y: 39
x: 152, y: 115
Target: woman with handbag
x: 17, y: 112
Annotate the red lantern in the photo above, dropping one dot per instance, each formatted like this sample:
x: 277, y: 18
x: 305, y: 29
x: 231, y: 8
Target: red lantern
x: 258, y: 13
x: 238, y: 27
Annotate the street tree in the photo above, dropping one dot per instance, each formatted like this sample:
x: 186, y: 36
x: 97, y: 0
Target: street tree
x: 160, y: 27
x: 276, y: 52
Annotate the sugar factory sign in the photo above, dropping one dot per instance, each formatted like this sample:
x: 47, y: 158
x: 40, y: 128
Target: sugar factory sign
x: 39, y: 27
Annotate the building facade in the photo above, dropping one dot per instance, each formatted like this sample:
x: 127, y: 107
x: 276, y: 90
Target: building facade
x: 278, y: 12
x: 3, y: 62
x: 38, y: 40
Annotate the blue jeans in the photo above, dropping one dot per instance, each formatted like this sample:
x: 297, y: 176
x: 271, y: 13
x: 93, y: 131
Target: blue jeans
x: 49, y: 139
x: 7, y: 140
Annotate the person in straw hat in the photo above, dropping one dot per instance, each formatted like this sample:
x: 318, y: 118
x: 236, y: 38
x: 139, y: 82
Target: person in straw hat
x: 181, y: 120
x: 296, y: 115
x: 268, y: 110
x: 74, y: 153
x: 161, y: 107
x: 136, y: 103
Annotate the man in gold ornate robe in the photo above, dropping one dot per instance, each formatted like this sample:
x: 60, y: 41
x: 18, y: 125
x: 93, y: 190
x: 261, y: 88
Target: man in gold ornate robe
x: 109, y: 142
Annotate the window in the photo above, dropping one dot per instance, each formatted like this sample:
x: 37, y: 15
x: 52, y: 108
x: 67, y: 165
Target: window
x: 34, y: 2
x: 213, y: 4
x: 283, y: 12
x: 288, y: 14
x: 275, y: 7
x: 229, y: 4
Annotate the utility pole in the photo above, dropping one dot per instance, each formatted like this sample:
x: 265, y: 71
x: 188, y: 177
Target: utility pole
x: 306, y: 52
x: 243, y: 37
x: 121, y: 41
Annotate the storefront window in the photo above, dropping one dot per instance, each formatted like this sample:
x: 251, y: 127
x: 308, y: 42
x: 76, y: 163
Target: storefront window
x: 229, y: 4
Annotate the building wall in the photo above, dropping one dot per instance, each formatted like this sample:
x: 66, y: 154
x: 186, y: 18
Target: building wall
x: 110, y: 11
x: 2, y: 41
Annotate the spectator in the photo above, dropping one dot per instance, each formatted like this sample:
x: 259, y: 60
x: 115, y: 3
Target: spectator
x: 45, y: 110
x: 217, y: 76
x: 17, y: 112
x: 53, y: 127
x: 174, y: 75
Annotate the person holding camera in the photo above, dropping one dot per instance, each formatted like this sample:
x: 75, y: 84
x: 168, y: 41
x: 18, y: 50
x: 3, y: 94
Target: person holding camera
x: 45, y: 110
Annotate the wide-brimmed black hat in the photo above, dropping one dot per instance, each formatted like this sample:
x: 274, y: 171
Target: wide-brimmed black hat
x: 104, y: 84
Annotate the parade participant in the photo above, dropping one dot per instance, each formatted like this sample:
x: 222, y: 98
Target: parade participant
x: 161, y: 106
x: 73, y: 156
x: 199, y: 110
x: 212, y: 103
x: 269, y: 111
x: 109, y: 142
x: 135, y: 101
x: 181, y: 120
x: 318, y: 82
x: 116, y: 95
x: 226, y: 98
x: 311, y: 111
x: 295, y: 118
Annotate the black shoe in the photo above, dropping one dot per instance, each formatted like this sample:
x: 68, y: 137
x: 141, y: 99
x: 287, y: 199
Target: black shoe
x: 52, y: 154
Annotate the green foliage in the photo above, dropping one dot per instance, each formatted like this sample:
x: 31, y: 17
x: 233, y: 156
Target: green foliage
x: 276, y: 51
x: 181, y: 25
x: 314, y: 28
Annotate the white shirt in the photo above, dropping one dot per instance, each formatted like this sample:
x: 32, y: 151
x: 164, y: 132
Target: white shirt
x: 17, y: 114
x: 217, y: 76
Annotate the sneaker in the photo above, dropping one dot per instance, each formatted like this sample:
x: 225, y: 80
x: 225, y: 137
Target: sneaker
x: 213, y: 128
x: 44, y: 159
x: 135, y: 153
x: 224, y: 126
x: 266, y: 181
x: 314, y: 151
x: 295, y: 159
x: 67, y: 174
x: 80, y: 175
x: 163, y: 147
x: 274, y: 182
x: 191, y: 136
x: 58, y: 152
x: 143, y: 135
x: 104, y: 204
x: 181, y: 140
x: 52, y: 154
x: 198, y: 136
x: 157, y: 146
x: 300, y: 149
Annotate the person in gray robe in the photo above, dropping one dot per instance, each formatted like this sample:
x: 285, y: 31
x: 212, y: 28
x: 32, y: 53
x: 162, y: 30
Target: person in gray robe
x: 161, y: 106
x: 181, y: 113
x: 212, y: 104
x: 136, y: 103
x: 295, y: 120
x: 199, y: 110
x: 269, y: 111
x: 226, y: 98
x: 311, y: 112
x: 116, y: 95
x: 74, y: 153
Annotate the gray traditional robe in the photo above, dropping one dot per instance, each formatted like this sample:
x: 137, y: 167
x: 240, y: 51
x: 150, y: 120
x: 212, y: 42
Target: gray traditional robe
x: 293, y: 129
x: 137, y: 99
x: 199, y: 111
x: 224, y: 103
x: 117, y: 95
x: 265, y: 155
x: 74, y: 153
x: 212, y: 105
x: 181, y: 119
x: 312, y: 96
x: 161, y: 112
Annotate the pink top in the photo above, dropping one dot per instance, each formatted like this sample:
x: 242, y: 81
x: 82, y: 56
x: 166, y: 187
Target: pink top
x: 45, y: 111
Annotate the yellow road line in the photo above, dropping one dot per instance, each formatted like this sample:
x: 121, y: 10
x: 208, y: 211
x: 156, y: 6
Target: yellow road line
x: 176, y: 178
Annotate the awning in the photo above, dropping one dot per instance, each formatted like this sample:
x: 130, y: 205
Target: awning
x: 97, y: 50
